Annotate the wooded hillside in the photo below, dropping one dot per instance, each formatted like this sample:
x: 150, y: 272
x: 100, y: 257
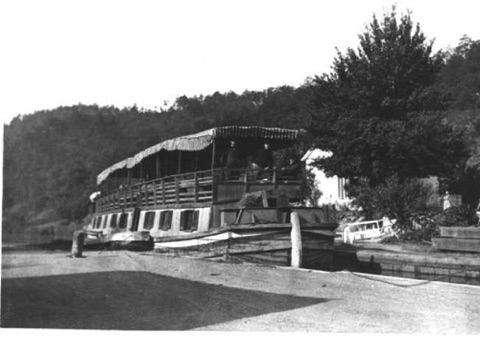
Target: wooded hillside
x: 52, y: 158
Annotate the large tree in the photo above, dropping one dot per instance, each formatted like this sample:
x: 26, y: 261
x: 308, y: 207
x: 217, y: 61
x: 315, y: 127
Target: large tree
x: 378, y: 112
x: 459, y: 83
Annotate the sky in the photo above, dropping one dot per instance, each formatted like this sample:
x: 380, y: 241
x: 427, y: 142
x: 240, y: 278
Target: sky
x: 149, y: 52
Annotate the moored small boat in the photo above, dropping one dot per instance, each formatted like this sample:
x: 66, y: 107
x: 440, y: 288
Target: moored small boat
x: 368, y: 231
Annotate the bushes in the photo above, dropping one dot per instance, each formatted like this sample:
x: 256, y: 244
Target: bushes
x: 394, y: 198
x: 409, y: 202
x: 420, y: 227
x: 461, y: 216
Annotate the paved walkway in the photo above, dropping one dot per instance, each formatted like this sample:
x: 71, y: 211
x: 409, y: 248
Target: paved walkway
x: 134, y: 291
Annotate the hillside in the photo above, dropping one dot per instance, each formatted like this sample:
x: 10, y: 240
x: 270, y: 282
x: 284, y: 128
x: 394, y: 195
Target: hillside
x: 52, y: 157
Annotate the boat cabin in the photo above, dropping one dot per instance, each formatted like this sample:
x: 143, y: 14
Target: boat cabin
x: 183, y: 185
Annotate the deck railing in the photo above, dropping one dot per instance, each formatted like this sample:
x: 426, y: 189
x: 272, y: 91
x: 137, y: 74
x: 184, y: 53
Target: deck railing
x: 188, y: 188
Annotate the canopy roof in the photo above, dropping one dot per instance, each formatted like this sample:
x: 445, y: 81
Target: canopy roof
x: 201, y: 140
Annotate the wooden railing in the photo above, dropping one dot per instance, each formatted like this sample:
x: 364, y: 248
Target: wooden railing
x: 187, y: 188
x: 195, y: 187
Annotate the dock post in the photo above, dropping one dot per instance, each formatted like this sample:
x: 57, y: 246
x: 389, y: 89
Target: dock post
x: 296, y: 237
x: 77, y: 244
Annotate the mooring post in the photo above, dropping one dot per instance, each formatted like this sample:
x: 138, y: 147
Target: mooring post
x: 296, y: 237
x: 77, y: 244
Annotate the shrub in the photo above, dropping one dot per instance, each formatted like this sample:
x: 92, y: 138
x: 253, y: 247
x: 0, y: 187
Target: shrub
x: 394, y: 198
x: 421, y: 226
x: 461, y: 216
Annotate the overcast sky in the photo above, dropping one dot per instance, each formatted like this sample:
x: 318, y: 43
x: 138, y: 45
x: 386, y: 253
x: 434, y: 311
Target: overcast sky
x: 146, y: 52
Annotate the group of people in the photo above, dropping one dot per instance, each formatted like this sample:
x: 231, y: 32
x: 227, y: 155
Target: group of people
x: 262, y: 161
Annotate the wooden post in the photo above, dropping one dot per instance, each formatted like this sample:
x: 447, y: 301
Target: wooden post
x: 164, y: 200
x: 179, y: 162
x: 124, y: 198
x: 296, y: 237
x: 77, y: 244
x: 130, y: 204
x: 213, y: 154
x: 157, y: 166
x: 145, y: 187
x: 177, y: 190
x: 214, y: 178
x: 195, y: 187
x: 155, y: 186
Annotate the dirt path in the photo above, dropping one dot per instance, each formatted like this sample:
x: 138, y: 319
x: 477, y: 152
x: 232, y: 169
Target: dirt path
x: 133, y: 291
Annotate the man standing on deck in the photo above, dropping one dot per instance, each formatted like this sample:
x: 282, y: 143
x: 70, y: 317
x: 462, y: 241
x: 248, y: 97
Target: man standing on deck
x: 232, y: 161
x: 262, y: 160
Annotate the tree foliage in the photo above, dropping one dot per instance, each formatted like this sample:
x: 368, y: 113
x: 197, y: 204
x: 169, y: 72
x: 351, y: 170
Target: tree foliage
x: 459, y: 83
x: 52, y: 158
x: 378, y: 111
x: 459, y: 79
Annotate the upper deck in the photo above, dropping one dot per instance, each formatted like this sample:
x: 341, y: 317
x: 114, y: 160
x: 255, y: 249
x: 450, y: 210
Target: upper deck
x: 196, y: 189
x: 189, y: 171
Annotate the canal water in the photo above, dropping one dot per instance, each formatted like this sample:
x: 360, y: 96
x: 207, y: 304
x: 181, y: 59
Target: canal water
x: 452, y: 277
x: 347, y: 261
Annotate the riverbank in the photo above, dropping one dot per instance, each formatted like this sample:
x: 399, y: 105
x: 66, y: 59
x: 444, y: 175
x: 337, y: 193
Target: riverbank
x: 120, y: 290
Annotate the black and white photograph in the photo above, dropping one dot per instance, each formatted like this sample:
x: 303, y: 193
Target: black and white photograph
x: 240, y: 166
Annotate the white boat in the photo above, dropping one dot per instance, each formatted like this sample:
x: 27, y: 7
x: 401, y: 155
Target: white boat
x: 372, y: 231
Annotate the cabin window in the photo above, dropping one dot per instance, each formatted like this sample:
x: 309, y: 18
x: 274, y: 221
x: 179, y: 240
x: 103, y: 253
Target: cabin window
x: 113, y: 221
x: 100, y: 221
x: 97, y: 222
x: 122, y: 221
x: 148, y: 221
x: 165, y: 220
x: 189, y: 221
x: 104, y: 222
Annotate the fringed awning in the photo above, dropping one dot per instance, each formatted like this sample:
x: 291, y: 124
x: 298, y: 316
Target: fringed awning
x: 200, y: 141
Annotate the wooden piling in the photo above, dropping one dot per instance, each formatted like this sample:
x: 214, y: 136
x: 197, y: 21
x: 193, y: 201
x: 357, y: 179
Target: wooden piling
x: 296, y: 237
x: 77, y: 244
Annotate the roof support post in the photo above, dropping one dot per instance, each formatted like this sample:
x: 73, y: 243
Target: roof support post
x: 179, y: 161
x: 157, y: 165
x: 213, y: 154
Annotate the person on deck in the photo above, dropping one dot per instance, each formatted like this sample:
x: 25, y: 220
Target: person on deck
x: 232, y: 161
x: 262, y: 160
x: 292, y: 169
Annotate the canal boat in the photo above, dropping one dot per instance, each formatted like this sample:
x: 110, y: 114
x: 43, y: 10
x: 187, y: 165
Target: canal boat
x: 178, y: 198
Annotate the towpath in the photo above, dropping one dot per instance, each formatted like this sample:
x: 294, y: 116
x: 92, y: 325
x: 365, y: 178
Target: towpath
x: 135, y: 291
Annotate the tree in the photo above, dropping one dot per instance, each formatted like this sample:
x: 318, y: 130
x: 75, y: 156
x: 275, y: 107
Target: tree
x: 378, y: 111
x: 459, y: 83
x: 459, y: 79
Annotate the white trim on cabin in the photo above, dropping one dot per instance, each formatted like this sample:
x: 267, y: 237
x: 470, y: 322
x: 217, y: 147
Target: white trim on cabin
x: 202, y: 225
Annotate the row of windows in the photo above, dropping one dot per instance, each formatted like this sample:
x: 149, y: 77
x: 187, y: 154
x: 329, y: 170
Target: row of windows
x: 188, y: 221
x: 115, y: 221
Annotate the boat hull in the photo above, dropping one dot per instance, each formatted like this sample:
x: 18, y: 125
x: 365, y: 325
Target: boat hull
x: 262, y: 244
